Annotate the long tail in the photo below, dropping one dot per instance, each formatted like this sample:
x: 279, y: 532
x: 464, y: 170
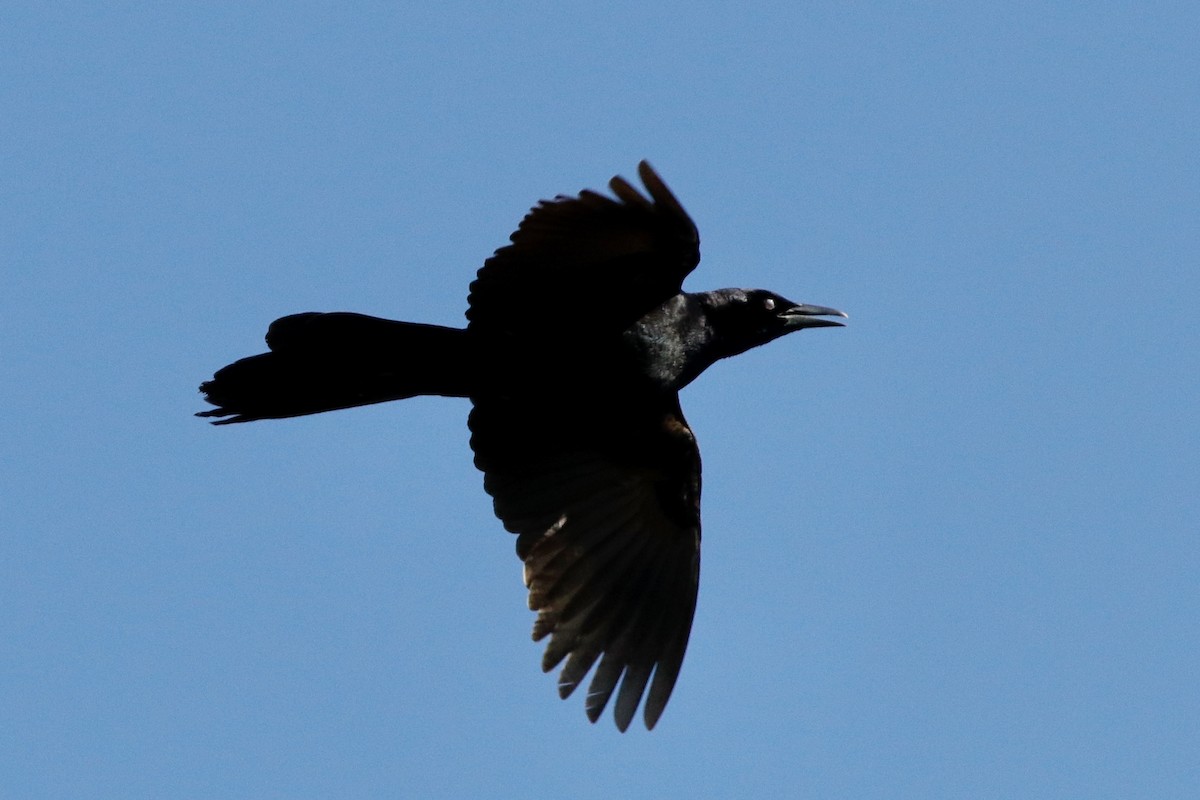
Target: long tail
x: 321, y: 362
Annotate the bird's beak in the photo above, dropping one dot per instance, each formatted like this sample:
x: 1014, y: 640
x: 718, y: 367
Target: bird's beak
x: 806, y: 316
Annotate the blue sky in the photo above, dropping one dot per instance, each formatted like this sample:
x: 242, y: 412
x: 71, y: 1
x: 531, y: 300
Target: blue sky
x: 950, y: 550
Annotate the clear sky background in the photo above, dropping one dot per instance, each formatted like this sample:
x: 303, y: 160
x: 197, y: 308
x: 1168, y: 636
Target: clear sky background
x: 950, y: 550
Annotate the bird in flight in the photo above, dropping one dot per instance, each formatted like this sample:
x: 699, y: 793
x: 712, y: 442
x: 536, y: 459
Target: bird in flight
x: 579, y: 337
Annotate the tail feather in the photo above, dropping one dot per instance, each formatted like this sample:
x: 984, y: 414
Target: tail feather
x: 321, y: 362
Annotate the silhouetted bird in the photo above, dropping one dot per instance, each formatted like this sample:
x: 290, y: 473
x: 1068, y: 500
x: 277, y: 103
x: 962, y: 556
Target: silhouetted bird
x: 578, y: 341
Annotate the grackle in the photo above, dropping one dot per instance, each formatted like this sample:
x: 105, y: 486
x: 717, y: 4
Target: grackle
x: 579, y: 338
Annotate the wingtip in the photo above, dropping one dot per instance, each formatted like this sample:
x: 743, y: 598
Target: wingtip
x: 658, y: 190
x: 651, y: 712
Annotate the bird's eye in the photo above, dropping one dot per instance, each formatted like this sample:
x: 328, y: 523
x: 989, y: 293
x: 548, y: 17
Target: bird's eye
x: 769, y: 304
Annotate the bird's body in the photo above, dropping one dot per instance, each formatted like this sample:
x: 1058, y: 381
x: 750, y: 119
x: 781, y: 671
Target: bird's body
x: 579, y: 338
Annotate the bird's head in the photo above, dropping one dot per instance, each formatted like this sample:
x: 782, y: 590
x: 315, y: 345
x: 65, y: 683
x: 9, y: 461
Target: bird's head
x: 746, y: 318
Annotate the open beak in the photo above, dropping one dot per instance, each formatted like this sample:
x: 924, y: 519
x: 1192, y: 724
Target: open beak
x: 806, y: 316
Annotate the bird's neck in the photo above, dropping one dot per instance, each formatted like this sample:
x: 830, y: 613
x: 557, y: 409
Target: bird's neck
x: 674, y: 343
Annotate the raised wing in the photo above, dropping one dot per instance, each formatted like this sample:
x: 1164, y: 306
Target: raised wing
x: 591, y: 262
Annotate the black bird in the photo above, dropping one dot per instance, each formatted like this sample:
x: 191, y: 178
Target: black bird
x: 579, y: 338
